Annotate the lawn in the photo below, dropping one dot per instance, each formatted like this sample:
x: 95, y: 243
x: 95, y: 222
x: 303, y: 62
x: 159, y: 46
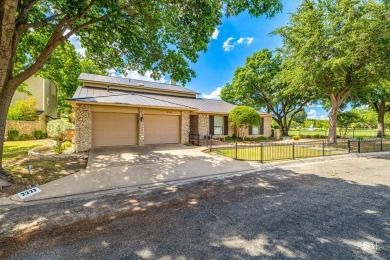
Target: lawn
x: 367, y: 133
x: 45, y: 169
x: 280, y: 152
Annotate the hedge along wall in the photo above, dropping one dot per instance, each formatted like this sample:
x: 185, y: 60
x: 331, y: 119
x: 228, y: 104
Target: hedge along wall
x: 24, y: 127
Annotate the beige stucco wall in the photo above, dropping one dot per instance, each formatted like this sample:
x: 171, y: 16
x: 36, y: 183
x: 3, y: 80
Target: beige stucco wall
x: 24, y: 127
x: 185, y: 127
x: 50, y: 98
x: 83, y: 128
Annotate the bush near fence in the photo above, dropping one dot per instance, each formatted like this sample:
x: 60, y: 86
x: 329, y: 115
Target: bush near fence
x: 255, y: 151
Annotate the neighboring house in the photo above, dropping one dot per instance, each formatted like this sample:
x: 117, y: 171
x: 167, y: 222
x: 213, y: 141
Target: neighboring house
x: 114, y: 111
x: 45, y: 93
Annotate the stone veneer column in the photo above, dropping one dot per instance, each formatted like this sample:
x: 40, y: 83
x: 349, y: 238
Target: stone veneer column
x: 83, y: 128
x: 185, y: 127
x: 203, y: 124
x: 141, y: 127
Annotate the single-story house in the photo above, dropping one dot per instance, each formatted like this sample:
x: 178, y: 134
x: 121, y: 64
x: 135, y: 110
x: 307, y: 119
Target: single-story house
x: 113, y: 111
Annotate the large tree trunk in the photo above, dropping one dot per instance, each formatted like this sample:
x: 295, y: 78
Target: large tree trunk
x: 336, y: 103
x: 381, y: 119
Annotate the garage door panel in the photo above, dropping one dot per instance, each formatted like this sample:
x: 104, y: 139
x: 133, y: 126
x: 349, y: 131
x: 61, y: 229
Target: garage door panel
x: 114, y: 129
x: 162, y: 129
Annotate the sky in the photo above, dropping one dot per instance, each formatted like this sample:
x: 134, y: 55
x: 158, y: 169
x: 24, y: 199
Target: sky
x: 231, y: 43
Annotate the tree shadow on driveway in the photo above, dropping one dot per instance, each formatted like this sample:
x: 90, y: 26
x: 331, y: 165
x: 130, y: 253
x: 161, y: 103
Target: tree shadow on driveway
x: 274, y: 214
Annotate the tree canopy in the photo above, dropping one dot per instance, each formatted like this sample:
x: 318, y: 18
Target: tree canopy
x: 244, y: 116
x: 333, y: 48
x: 259, y: 84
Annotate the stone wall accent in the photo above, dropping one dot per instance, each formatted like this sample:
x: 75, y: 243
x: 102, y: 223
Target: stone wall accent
x: 194, y: 124
x: 203, y: 124
x: 141, y: 127
x: 83, y: 128
x: 185, y: 127
x: 267, y: 128
x: 24, y: 127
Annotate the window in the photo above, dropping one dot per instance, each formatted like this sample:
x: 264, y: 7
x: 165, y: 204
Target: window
x: 218, y: 125
x: 255, y: 130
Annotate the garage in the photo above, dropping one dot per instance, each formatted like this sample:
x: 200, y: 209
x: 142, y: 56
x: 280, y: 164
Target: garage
x: 162, y: 129
x: 114, y: 129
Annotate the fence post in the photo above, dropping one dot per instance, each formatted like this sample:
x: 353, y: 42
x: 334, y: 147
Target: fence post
x: 261, y: 153
x: 349, y: 146
x: 211, y: 142
x: 293, y: 150
x: 236, y: 150
x: 381, y: 144
x: 359, y: 146
x: 323, y: 148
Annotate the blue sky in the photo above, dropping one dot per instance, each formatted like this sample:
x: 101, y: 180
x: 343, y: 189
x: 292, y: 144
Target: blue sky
x: 234, y: 40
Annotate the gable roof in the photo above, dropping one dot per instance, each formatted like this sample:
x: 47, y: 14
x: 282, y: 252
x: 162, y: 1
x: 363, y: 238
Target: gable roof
x: 134, y: 83
x: 98, y: 95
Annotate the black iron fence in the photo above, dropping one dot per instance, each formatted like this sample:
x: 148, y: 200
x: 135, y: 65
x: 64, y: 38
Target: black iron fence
x: 200, y: 140
x: 271, y: 151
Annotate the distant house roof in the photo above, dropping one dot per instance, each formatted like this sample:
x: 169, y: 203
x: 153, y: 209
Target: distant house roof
x: 98, y: 95
x: 134, y: 83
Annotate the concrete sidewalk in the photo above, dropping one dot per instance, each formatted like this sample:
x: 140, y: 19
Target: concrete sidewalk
x: 113, y: 168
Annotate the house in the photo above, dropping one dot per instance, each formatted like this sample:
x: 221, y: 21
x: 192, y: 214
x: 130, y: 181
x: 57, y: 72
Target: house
x: 45, y: 93
x: 113, y: 111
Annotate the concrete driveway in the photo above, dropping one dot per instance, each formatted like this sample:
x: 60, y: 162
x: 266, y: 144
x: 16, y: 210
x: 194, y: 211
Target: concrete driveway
x: 118, y: 167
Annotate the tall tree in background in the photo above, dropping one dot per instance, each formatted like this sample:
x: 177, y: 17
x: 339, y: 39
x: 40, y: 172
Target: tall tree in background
x: 258, y: 84
x: 63, y: 68
x: 335, y: 45
x: 158, y: 35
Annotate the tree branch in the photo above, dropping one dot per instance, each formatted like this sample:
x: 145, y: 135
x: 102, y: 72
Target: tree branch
x: 82, y: 14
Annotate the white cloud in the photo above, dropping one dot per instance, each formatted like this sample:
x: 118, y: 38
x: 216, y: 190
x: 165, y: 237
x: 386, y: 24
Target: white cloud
x: 213, y: 95
x: 229, y: 44
x: 241, y: 40
x: 215, y: 34
x: 324, y: 117
x: 312, y: 114
x: 249, y: 40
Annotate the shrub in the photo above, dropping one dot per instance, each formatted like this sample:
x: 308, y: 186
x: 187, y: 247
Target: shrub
x: 66, y: 145
x: 57, y: 129
x: 23, y: 110
x: 24, y: 137
x: 12, y: 134
x: 58, y: 148
x: 261, y: 138
x: 317, y: 136
x: 244, y: 116
x: 38, y: 134
x: 296, y: 137
x: 232, y: 138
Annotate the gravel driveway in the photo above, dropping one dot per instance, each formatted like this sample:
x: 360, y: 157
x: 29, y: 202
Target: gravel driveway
x: 335, y: 209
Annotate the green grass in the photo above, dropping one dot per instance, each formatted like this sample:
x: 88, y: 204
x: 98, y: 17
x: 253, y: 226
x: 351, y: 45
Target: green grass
x: 356, y: 133
x: 280, y: 152
x: 18, y: 149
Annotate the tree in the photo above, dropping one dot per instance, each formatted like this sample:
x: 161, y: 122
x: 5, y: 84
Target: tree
x: 64, y: 68
x: 378, y: 98
x: 258, y: 84
x: 243, y: 116
x: 346, y: 120
x: 300, y: 117
x: 162, y: 36
x: 25, y: 110
x: 333, y: 47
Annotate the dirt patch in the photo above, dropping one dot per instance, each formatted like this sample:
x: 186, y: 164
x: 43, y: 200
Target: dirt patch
x: 44, y: 169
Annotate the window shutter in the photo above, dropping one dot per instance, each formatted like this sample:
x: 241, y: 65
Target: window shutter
x: 211, y: 125
x: 250, y: 130
x: 262, y: 126
x: 226, y: 125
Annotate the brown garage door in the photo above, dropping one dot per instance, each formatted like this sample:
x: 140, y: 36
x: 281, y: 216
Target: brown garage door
x: 162, y: 129
x: 114, y: 129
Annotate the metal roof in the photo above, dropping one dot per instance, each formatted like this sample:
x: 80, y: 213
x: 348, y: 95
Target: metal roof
x: 134, y: 83
x: 88, y: 94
